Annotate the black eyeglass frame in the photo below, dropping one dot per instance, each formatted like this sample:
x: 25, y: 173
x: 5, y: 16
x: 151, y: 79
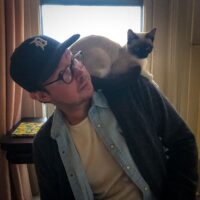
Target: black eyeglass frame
x: 69, y: 68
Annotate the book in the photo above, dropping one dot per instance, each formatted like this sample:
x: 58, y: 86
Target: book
x: 27, y: 129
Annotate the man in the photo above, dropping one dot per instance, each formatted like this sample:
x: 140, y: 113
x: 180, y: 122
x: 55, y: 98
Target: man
x: 84, y: 151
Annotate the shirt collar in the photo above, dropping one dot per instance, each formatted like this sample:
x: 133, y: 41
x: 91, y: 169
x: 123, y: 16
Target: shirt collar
x: 59, y: 124
x: 99, y: 100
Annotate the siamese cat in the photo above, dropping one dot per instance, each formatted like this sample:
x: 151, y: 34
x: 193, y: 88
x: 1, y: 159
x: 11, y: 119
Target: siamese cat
x: 106, y: 58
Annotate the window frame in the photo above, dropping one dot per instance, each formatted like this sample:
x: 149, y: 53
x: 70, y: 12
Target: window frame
x: 93, y: 2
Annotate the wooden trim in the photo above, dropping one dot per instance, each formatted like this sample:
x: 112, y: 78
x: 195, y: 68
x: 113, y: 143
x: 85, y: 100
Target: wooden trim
x: 94, y: 2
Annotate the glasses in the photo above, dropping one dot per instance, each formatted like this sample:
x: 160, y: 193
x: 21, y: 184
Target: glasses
x: 66, y: 75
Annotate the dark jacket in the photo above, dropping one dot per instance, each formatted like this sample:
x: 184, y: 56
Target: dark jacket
x: 159, y: 141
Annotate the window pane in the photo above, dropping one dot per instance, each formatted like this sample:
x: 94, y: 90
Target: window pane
x: 60, y: 22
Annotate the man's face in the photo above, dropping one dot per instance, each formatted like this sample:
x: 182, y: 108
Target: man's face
x: 79, y: 90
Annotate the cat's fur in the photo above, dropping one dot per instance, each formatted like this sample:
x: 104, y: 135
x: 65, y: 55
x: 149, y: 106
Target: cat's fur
x: 104, y: 57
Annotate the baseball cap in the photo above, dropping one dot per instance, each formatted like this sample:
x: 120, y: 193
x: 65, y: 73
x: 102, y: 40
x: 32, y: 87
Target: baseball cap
x: 34, y: 60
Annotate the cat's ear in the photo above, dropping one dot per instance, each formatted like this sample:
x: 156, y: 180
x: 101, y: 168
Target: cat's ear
x: 131, y: 36
x: 151, y: 34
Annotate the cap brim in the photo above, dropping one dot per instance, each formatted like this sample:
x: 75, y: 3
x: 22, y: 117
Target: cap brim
x: 54, y: 60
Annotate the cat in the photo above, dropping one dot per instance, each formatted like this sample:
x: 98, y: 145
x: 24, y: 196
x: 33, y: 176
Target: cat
x: 106, y: 58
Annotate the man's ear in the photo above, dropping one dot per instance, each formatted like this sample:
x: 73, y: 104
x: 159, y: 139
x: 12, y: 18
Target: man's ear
x: 40, y: 96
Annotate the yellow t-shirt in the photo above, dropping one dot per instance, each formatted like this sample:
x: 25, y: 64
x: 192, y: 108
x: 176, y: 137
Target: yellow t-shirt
x: 106, y: 177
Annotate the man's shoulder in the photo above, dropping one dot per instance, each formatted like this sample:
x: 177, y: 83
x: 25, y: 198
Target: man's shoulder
x: 43, y: 134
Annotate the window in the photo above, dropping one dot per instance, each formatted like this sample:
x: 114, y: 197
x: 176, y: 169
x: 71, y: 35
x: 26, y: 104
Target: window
x: 111, y: 18
x: 60, y: 22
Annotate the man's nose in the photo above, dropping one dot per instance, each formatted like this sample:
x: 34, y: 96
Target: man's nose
x: 78, y: 68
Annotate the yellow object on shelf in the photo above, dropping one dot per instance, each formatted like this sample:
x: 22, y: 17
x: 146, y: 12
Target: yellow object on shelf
x: 27, y: 129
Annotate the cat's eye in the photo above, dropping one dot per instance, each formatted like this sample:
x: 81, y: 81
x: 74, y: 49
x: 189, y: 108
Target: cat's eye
x: 148, y: 48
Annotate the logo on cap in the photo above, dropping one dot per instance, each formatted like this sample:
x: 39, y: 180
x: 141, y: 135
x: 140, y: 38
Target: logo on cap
x: 39, y: 42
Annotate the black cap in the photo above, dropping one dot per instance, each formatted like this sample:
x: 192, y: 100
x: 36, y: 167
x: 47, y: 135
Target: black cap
x: 34, y: 61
